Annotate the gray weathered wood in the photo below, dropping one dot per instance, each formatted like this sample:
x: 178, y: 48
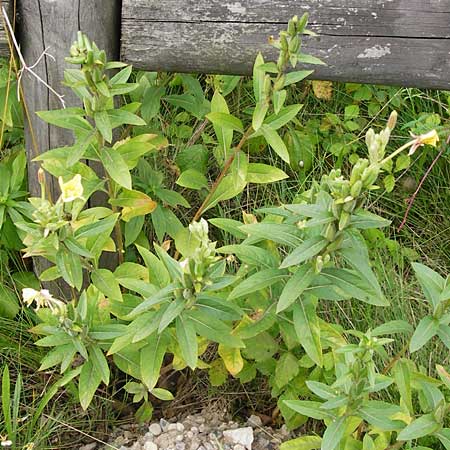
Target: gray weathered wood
x: 53, y: 24
x: 4, y: 48
x: 403, y: 42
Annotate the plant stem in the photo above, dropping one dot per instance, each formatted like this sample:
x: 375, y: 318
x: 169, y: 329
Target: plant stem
x: 222, y: 174
x: 395, y: 359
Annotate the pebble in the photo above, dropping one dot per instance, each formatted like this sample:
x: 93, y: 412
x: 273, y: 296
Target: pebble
x: 242, y: 436
x: 155, y: 429
x: 164, y: 424
x: 150, y: 446
x: 180, y: 446
x: 254, y: 421
x: 179, y: 427
x: 202, y: 428
x: 172, y: 427
x: 238, y: 447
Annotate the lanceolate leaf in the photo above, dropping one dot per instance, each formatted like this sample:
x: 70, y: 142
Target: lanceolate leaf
x: 275, y: 141
x: 306, y: 250
x: 90, y: 379
x: 151, y: 359
x: 295, y: 286
x: 422, y: 426
x: 257, y: 281
x: 187, y: 340
x: 116, y: 166
x: 105, y: 282
x: 427, y: 328
x: 333, y: 434
x: 431, y: 282
x: 307, y: 327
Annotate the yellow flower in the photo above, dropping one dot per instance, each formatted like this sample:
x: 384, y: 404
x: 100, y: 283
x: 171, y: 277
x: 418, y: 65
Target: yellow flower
x: 71, y: 190
x: 430, y: 138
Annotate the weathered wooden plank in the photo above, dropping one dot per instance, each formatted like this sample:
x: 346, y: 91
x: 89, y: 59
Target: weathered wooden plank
x: 53, y: 25
x: 4, y: 48
x: 404, y: 42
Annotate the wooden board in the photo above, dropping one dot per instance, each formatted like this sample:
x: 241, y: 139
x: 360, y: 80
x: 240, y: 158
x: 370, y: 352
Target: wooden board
x: 4, y: 48
x: 53, y: 25
x: 399, y: 42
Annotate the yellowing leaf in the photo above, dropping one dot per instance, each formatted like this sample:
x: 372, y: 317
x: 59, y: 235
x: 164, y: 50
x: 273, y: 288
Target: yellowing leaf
x: 232, y: 359
x: 323, y: 90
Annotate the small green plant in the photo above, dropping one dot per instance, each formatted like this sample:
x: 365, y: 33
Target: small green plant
x: 260, y: 300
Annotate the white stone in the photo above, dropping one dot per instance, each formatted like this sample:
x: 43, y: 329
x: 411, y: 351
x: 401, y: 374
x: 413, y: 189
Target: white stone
x: 155, y: 429
x: 150, y: 446
x: 180, y: 427
x: 238, y: 447
x: 254, y: 421
x: 172, y: 427
x: 242, y: 436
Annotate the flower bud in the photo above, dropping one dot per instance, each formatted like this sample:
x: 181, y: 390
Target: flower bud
x: 392, y: 120
x: 355, y: 190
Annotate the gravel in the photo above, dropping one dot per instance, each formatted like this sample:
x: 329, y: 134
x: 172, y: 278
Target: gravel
x: 204, y: 431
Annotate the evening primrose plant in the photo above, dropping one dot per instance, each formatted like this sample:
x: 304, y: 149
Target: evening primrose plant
x: 258, y: 302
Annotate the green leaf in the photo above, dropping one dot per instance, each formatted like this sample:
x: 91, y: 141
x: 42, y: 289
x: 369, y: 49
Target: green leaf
x: 174, y: 309
x: 224, y: 135
x: 431, y: 282
x: 306, y: 250
x: 151, y: 359
x: 231, y: 226
x: 162, y: 394
x: 302, y: 443
x: 334, y: 434
x: 389, y: 183
x: 105, y: 281
x: 213, y: 329
x: 402, y: 376
x: 393, y: 327
x: 444, y: 436
x: 121, y: 116
x: 309, y: 409
x: 258, y: 78
x: 309, y: 59
x: 307, y: 327
x: 97, y: 228
x: 349, y: 284
x: 286, y: 369
x: 99, y: 362
x: 418, y: 428
x: 225, y: 121
x: 276, y: 121
x: 366, y: 220
x: 70, y: 118
x: 90, y: 380
x: 295, y: 286
x: 263, y: 173
x: 257, y: 281
x: 427, y: 328
x: 378, y: 414
x: 187, y: 340
x: 259, y: 114
x: 275, y: 141
x: 192, y: 179
x: 295, y: 77
x: 277, y: 232
x: 103, y: 125
x: 70, y: 268
x: 116, y: 166
x: 9, y: 306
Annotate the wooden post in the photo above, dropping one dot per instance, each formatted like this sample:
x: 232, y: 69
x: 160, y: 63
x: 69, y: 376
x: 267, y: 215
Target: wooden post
x: 53, y: 25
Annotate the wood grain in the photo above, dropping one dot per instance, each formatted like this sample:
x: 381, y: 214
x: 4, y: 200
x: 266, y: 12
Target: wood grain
x: 4, y: 48
x: 400, y: 42
x: 53, y: 25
